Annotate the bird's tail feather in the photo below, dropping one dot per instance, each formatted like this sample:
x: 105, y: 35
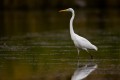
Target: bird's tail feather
x: 95, y: 47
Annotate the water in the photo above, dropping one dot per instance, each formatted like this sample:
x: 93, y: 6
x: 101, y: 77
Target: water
x: 43, y: 50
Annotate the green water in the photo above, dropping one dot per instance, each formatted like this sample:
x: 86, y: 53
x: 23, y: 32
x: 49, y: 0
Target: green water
x: 36, y: 45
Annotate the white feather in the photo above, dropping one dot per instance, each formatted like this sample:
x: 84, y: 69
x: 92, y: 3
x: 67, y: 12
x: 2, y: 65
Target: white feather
x: 80, y: 42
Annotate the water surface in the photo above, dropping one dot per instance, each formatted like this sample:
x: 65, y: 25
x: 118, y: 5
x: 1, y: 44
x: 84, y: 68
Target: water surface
x: 36, y: 45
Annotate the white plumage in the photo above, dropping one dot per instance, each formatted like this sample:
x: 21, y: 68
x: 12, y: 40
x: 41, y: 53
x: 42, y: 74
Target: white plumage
x: 80, y: 42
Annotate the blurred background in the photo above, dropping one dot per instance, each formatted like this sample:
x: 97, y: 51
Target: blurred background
x: 23, y: 16
x: 35, y: 43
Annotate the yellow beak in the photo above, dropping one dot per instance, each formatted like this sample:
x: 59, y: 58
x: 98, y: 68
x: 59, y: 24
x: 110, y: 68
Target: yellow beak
x: 63, y: 10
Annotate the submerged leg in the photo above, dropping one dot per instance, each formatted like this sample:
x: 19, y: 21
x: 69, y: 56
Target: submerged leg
x: 91, y: 56
x: 78, y: 51
x: 78, y: 64
x: 89, y: 53
x: 91, y: 61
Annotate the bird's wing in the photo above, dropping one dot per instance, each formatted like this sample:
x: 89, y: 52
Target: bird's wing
x: 83, y: 43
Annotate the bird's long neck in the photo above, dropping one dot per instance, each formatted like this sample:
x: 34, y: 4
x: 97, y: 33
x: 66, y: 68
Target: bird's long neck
x: 71, y: 24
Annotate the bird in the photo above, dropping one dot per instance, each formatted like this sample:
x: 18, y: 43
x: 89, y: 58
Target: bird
x: 80, y: 42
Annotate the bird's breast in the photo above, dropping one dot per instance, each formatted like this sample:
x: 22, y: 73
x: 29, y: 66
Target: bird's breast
x: 77, y: 44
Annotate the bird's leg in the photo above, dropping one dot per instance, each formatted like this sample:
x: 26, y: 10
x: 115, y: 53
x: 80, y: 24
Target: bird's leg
x: 91, y: 61
x: 78, y: 51
x: 78, y: 64
x: 89, y: 54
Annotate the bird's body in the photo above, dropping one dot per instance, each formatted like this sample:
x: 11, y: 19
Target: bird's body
x: 79, y: 42
x: 82, y: 43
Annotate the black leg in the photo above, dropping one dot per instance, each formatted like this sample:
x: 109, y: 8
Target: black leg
x: 91, y: 56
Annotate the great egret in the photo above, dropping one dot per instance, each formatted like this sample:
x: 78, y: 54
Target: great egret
x: 80, y: 42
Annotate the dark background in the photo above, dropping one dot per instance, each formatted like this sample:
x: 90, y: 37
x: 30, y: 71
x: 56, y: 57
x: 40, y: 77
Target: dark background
x: 14, y: 13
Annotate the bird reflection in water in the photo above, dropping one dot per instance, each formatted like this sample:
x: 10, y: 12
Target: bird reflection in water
x: 82, y: 72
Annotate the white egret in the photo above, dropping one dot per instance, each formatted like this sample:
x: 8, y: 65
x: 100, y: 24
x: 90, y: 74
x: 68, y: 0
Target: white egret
x: 79, y: 41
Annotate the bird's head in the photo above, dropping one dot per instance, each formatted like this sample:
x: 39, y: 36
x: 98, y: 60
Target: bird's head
x: 69, y: 9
